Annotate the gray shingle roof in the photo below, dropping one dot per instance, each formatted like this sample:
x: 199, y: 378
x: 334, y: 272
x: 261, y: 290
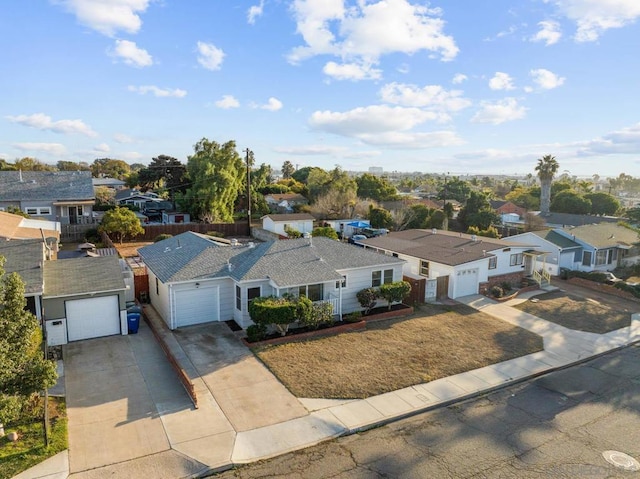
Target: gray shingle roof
x: 46, y: 186
x: 290, y: 217
x: 26, y: 258
x: 556, y: 238
x: 443, y: 247
x: 286, y: 262
x: 604, y: 235
x: 66, y: 277
x: 570, y: 219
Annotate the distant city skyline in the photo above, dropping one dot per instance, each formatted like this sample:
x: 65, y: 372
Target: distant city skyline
x: 405, y: 85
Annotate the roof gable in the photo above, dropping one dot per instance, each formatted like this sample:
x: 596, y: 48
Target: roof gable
x: 25, y: 257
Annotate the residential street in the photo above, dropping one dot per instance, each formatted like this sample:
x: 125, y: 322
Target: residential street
x: 556, y: 426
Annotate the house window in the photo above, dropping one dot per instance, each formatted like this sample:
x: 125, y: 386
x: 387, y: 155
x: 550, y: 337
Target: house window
x: 493, y: 262
x: 342, y: 283
x: 315, y: 292
x: 253, y: 293
x: 606, y: 256
x: 586, y: 258
x: 157, y: 287
x: 35, y: 210
x: 378, y: 278
x: 515, y: 259
x: 424, y: 268
x: 238, y: 298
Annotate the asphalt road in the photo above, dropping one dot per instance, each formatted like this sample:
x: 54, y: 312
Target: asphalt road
x: 560, y: 425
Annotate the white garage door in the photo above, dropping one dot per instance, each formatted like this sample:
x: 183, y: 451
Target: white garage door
x: 196, y: 306
x: 92, y: 317
x: 466, y: 282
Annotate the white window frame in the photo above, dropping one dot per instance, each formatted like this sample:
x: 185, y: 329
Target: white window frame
x: 516, y: 259
x: 493, y: 262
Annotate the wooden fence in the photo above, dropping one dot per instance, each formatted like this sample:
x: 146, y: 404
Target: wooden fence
x: 226, y: 229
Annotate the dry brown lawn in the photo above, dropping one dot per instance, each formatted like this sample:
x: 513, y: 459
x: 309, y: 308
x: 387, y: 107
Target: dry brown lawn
x: 436, y: 342
x: 129, y: 250
x: 582, y: 314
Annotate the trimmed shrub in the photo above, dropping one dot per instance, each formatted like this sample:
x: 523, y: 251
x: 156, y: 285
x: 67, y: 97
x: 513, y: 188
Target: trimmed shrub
x: 291, y: 233
x: 256, y: 332
x: 506, y: 286
x: 367, y: 298
x: 269, y: 310
x: 395, y: 292
x: 352, y: 317
x: 496, y: 292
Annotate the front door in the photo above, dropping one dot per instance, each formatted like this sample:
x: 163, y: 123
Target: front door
x: 74, y: 212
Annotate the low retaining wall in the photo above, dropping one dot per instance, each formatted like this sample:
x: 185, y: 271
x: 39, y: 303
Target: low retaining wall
x: 398, y: 313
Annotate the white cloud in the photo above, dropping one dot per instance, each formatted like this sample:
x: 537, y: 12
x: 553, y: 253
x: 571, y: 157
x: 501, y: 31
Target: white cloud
x: 131, y: 155
x: 227, y: 102
x: 373, y: 119
x: 351, y: 71
x: 594, y: 17
x: 459, y: 78
x: 413, y: 140
x: 625, y: 141
x: 123, y: 138
x: 504, y: 33
x: 107, y: 16
x: 40, y: 121
x: 364, y: 32
x: 501, y: 81
x: 430, y: 97
x: 132, y: 55
x: 549, y: 32
x: 254, y: 12
x: 102, y: 148
x: 499, y: 112
x: 273, y: 104
x: 51, y: 148
x: 311, y: 150
x: 546, y: 79
x: 210, y: 56
x: 159, y: 92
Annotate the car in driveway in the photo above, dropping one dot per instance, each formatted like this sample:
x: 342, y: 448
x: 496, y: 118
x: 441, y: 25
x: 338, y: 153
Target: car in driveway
x: 611, y: 278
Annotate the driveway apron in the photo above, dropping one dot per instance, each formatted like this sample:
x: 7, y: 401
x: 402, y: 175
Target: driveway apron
x: 248, y: 393
x: 112, y: 417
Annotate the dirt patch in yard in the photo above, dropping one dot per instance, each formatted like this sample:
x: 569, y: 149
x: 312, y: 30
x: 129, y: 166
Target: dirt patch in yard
x: 579, y: 313
x: 130, y: 250
x: 439, y: 341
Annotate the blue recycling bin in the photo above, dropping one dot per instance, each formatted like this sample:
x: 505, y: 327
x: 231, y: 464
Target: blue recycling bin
x: 133, y: 322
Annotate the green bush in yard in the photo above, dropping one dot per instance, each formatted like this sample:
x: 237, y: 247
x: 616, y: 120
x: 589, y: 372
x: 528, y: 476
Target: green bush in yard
x: 256, y: 332
x: 395, y: 292
x: 269, y: 310
x: 497, y: 292
x: 162, y: 237
x: 367, y: 298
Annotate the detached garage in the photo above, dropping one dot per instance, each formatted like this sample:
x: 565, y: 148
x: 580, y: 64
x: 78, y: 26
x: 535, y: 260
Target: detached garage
x: 83, y: 298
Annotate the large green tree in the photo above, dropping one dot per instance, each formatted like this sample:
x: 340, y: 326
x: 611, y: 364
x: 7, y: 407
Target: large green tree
x: 217, y: 174
x: 32, y: 164
x: 121, y: 223
x: 287, y: 170
x: 477, y: 212
x: 163, y: 173
x: 375, y: 188
x: 546, y: 168
x: 569, y: 201
x: 108, y: 167
x: 603, y: 203
x: 454, y: 189
x: 23, y: 367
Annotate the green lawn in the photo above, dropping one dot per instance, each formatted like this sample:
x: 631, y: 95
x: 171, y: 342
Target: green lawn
x: 29, y: 449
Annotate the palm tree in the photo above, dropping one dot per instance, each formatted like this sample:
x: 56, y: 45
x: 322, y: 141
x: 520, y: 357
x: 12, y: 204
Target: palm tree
x: 547, y: 167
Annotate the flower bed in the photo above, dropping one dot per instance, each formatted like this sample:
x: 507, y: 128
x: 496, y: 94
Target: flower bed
x: 397, y: 311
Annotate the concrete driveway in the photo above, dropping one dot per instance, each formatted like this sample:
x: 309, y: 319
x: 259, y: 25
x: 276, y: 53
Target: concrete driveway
x: 115, y: 387
x: 248, y: 393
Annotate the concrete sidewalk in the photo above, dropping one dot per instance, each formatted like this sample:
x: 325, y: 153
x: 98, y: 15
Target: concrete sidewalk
x: 207, y: 436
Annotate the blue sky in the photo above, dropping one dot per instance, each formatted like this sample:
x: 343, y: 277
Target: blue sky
x: 459, y: 86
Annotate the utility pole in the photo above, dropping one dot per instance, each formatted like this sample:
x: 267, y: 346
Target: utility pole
x: 445, y: 223
x: 248, y: 151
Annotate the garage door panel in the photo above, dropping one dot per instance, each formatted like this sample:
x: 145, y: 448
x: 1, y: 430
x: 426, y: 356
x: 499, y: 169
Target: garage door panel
x: 467, y: 282
x: 92, y: 317
x: 197, y: 306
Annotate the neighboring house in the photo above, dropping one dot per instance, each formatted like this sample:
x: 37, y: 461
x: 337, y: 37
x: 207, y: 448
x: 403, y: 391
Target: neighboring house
x: 302, y: 222
x: 113, y: 183
x: 562, y: 220
x: 63, y: 196
x: 600, y: 247
x: 84, y: 298
x: 17, y: 227
x: 135, y: 198
x: 455, y: 264
x: 558, y: 250
x: 194, y: 279
x: 75, y: 298
x: 175, y: 217
x: 284, y: 202
x: 348, y: 227
x: 503, y: 207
